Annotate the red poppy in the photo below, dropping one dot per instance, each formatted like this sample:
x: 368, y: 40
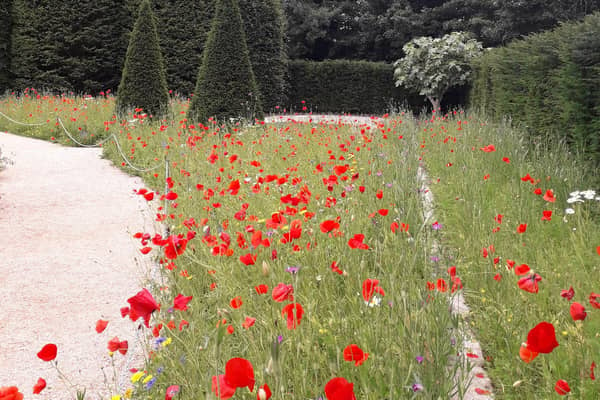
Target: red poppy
x: 239, y: 373
x: 498, y: 218
x: 530, y: 283
x: 283, y: 292
x: 248, y: 322
x: 142, y: 305
x: 489, y: 148
x: 288, y: 313
x: 339, y: 389
x: 174, y: 245
x: 537, y: 191
x: 542, y: 338
x: 149, y: 196
x: 482, y: 391
x: 39, y: 386
x: 506, y: 160
x: 221, y: 387
x: 522, y: 228
x: 357, y: 242
x: 562, y: 387
x: 261, y: 289
x: 379, y: 194
x: 329, y: 225
x: 370, y: 287
x: 497, y: 277
x: 10, y: 393
x: 48, y: 352
x: 115, y: 344
x: 394, y: 227
x: 577, y: 312
x: 567, y: 294
x: 248, y: 259
x: 549, y: 196
x: 441, y: 285
x: 527, y: 355
x: 592, y: 376
x: 528, y: 178
x: 146, y: 250
x: 356, y: 354
x: 263, y: 392
x: 598, y: 250
x: 236, y: 302
x: 547, y: 215
x: 522, y: 269
x: 171, y: 196
x: 594, y: 297
x: 180, y: 302
x: 171, y: 392
x: 101, y: 325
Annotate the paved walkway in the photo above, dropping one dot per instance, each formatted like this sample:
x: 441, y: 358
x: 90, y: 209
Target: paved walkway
x: 67, y: 259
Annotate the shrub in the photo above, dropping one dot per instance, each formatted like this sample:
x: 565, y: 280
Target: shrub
x: 226, y: 87
x: 144, y: 83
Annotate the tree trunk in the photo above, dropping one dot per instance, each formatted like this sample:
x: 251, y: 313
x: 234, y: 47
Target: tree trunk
x: 435, y: 103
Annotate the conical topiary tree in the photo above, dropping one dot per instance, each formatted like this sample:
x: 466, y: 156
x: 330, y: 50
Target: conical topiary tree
x: 143, y: 82
x: 226, y: 87
x: 264, y: 24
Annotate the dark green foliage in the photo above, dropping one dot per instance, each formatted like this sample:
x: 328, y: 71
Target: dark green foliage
x: 143, y: 84
x: 549, y: 82
x: 5, y: 25
x: 357, y: 87
x: 184, y: 26
x: 226, y: 87
x: 264, y: 26
x: 68, y: 44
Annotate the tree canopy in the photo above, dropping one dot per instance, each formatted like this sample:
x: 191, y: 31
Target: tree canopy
x: 431, y: 66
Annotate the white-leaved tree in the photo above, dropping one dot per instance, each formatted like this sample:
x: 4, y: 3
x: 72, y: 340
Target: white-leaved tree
x: 431, y: 66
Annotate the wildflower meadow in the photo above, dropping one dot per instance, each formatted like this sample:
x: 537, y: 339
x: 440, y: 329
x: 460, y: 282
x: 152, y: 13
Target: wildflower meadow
x: 296, y: 260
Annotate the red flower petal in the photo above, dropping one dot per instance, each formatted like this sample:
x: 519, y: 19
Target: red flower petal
x: 562, y: 387
x: 577, y: 312
x: 542, y: 338
x: 38, y: 387
x: 239, y: 373
x: 221, y: 388
x: 101, y: 325
x: 567, y: 294
x: 180, y: 302
x: 356, y: 354
x: 339, y: 389
x: 48, y: 352
x: 288, y: 313
x: 142, y: 305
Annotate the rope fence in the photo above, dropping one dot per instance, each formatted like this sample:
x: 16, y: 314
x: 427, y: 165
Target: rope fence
x: 95, y: 145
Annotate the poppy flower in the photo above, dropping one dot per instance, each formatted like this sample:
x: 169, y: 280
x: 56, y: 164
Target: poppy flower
x: 562, y: 387
x: 171, y: 392
x: 248, y: 259
x: 115, y: 345
x: 48, y: 352
x: 528, y: 178
x: 547, y: 215
x: 549, y: 196
x: 567, y: 294
x: 542, y: 338
x: 145, y: 250
x: 221, y: 387
x: 10, y: 393
x: 171, y: 196
x: 142, y: 305
x: 39, y: 386
x: 288, y: 313
x: 522, y: 269
x: 594, y: 297
x: 527, y: 355
x: 101, y: 325
x: 339, y: 389
x: 283, y: 292
x: 357, y: 242
x: 356, y: 354
x: 577, y: 312
x: 261, y: 289
x: 522, y: 228
x: 180, y: 302
x: 369, y: 287
x: 329, y: 225
x: 530, y: 283
x: 263, y: 392
x: 592, y: 376
x: 489, y: 148
x: 174, y: 245
x: 248, y: 322
x: 441, y: 285
x: 239, y: 373
x: 236, y: 302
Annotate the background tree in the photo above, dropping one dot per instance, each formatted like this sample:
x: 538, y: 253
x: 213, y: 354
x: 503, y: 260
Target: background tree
x: 264, y: 26
x: 432, y: 66
x: 144, y: 82
x: 5, y: 23
x: 226, y: 87
x: 184, y: 26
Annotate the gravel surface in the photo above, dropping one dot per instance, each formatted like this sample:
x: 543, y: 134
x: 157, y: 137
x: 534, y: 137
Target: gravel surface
x: 67, y: 259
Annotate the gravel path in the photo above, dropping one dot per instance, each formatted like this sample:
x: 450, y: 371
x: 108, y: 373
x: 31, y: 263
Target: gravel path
x: 67, y: 259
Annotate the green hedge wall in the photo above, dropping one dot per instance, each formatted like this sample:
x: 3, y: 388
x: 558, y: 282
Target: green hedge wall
x: 549, y: 82
x: 357, y: 87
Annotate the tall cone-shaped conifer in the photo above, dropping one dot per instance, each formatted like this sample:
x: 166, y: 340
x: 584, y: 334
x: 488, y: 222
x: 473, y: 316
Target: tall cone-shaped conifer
x: 143, y: 83
x: 226, y: 87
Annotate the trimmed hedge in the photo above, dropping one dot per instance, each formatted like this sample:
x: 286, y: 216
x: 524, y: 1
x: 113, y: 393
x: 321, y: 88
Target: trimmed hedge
x: 344, y: 86
x: 549, y: 82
